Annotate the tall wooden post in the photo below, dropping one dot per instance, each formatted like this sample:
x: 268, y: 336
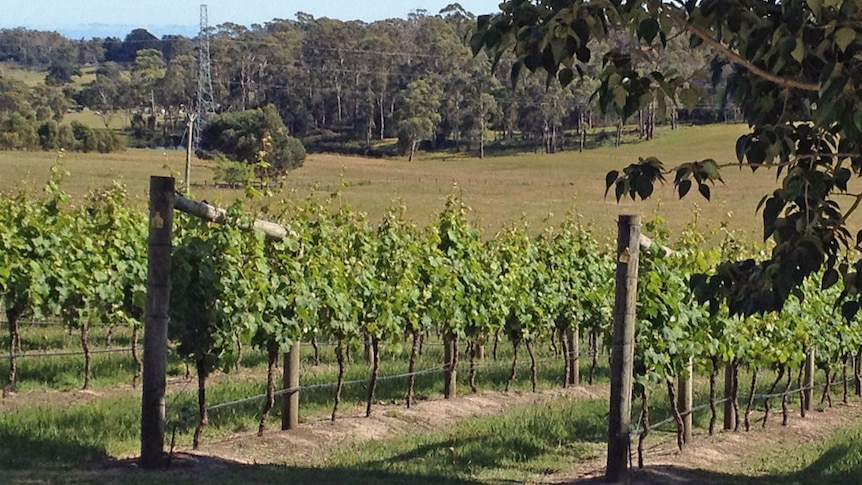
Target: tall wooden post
x: 290, y: 409
x: 685, y: 401
x: 622, y: 353
x: 156, y: 322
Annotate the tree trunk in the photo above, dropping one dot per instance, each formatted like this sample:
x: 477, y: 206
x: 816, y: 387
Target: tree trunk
x: 844, y: 377
x: 594, y: 350
x: 514, y: 373
x: 375, y: 369
x: 785, y: 411
x: 857, y: 372
x: 713, y: 410
x: 671, y: 393
x: 781, y: 370
x: 272, y: 350
x: 13, y: 313
x: 827, y: 389
x: 645, y: 432
x: 202, y: 402
x: 751, y: 399
x: 474, y: 352
x: 237, y: 363
x: 85, y: 346
x: 533, y: 370
x: 109, y: 338
x: 450, y: 343
x: 316, y: 348
x: 497, y: 341
x: 380, y: 105
x: 411, y: 368
x: 413, y: 144
x: 339, y: 356
x: 139, y: 364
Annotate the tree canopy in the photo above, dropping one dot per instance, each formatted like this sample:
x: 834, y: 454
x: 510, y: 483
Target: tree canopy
x: 793, y: 67
x: 254, y: 136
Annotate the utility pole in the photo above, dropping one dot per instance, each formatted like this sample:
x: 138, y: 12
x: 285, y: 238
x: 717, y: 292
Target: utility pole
x: 190, y: 130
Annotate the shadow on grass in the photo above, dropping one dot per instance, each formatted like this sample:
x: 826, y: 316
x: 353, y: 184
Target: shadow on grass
x: 193, y: 469
x: 19, y: 452
x: 839, y: 465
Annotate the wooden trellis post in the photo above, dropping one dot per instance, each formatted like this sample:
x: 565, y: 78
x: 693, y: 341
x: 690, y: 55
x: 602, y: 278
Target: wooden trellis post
x: 156, y: 322
x: 622, y: 353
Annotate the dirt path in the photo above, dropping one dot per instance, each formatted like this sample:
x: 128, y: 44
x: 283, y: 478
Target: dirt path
x: 320, y: 436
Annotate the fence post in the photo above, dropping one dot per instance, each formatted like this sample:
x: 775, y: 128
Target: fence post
x: 622, y: 353
x: 156, y: 322
x: 290, y: 410
x: 685, y: 400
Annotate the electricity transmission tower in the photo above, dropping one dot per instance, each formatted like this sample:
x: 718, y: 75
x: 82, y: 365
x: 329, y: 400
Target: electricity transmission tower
x: 205, y: 104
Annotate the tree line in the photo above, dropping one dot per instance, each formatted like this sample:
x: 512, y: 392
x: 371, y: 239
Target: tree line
x: 344, y: 86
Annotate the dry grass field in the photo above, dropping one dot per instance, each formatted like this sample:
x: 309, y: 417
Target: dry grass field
x: 499, y: 189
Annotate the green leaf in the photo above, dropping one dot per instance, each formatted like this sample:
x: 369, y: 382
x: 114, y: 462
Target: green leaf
x: 648, y: 29
x: 644, y: 187
x: 684, y: 188
x: 849, y: 309
x: 610, y: 178
x: 798, y: 52
x: 566, y: 76
x: 830, y: 277
x: 704, y: 191
x: 844, y: 37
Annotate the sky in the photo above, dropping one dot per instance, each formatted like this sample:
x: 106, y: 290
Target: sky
x: 100, y: 18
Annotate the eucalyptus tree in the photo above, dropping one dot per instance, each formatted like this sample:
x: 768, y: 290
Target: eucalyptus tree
x: 149, y: 67
x: 418, y: 115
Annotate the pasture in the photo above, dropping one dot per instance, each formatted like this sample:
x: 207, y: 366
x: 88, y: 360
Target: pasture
x: 538, y: 188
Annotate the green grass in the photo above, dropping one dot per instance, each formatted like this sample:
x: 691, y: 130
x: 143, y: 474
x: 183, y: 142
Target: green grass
x: 29, y: 77
x: 527, y: 441
x: 835, y: 460
x: 499, y: 189
x: 116, y: 120
x: 101, y: 427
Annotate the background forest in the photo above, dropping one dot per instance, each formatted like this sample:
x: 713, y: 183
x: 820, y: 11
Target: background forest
x: 345, y: 87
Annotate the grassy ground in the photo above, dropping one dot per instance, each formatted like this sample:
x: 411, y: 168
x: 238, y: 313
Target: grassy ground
x: 106, y: 425
x: 522, y: 445
x: 499, y: 189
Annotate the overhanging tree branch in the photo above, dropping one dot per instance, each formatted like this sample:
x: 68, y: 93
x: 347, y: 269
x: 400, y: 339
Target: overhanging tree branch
x: 735, y: 57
